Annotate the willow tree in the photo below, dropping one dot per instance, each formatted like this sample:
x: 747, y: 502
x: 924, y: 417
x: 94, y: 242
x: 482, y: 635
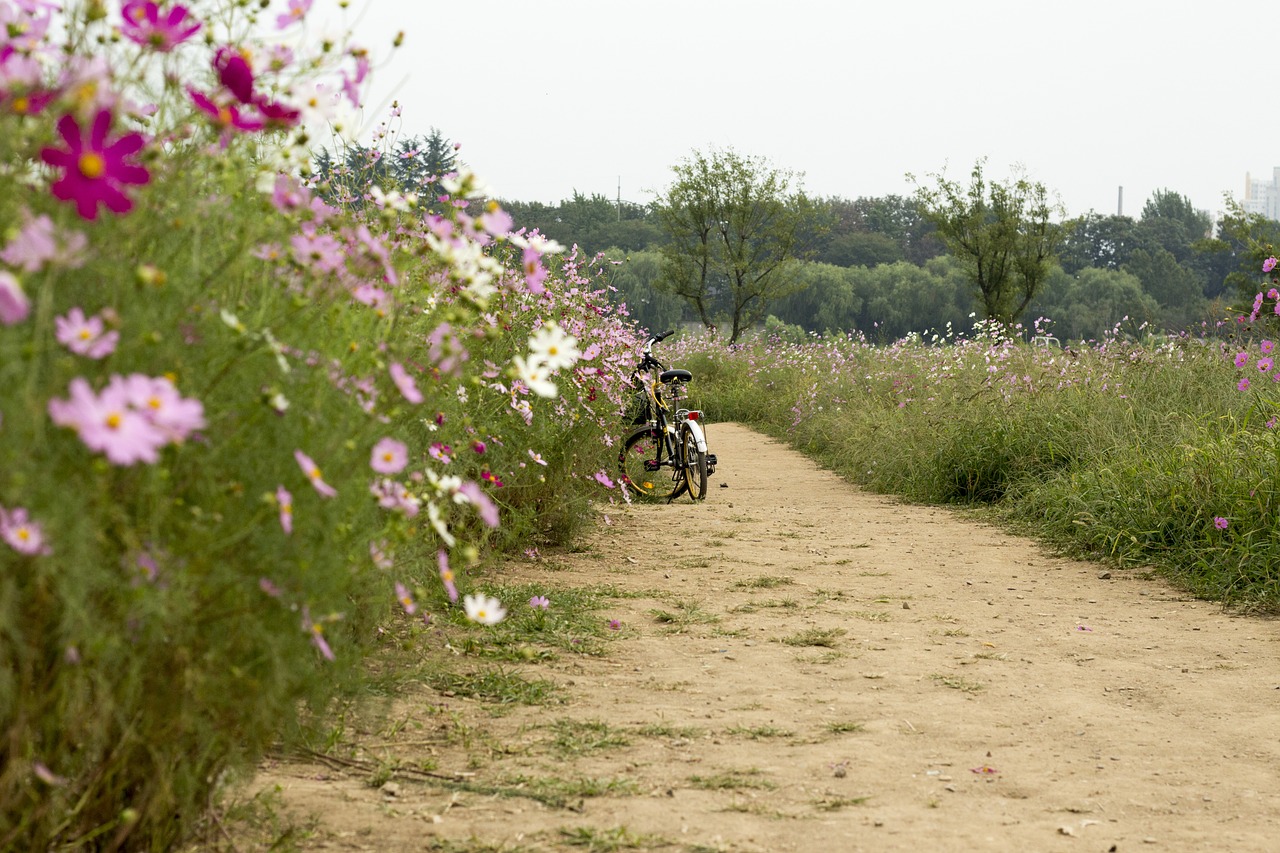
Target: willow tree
x: 734, y: 227
x: 1002, y: 234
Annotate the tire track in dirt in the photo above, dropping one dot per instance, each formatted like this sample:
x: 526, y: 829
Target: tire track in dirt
x: 839, y: 671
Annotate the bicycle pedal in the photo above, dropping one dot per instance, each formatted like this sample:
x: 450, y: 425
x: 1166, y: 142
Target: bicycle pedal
x: 651, y: 466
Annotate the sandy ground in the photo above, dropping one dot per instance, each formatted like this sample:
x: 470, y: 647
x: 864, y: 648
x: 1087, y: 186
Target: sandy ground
x: 848, y: 673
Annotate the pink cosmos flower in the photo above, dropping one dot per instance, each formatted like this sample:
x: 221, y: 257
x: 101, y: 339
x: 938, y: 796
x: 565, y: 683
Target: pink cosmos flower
x: 405, y: 599
x: 21, y: 534
x: 487, y: 508
x: 440, y: 453
x: 38, y: 244
x: 603, y: 479
x: 1243, y: 384
x: 94, y: 168
x: 297, y: 11
x: 1264, y: 364
x: 235, y: 74
x: 389, y: 456
x: 313, y: 474
x: 1242, y: 358
x: 395, y: 496
x: 534, y: 272
x: 1220, y: 522
x: 109, y: 424
x: 85, y: 336
x: 284, y: 500
x: 1266, y: 347
x: 228, y: 117
x: 539, y: 602
x: 1269, y: 264
x: 316, y: 631
x: 446, y: 576
x: 144, y: 25
x: 14, y: 305
x: 404, y: 382
x: 159, y: 401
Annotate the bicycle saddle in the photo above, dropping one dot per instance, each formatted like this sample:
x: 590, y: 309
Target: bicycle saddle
x: 675, y: 376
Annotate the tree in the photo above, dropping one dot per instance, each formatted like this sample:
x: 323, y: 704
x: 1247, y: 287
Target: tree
x: 1000, y: 232
x: 733, y: 225
x: 1101, y: 242
x: 630, y: 280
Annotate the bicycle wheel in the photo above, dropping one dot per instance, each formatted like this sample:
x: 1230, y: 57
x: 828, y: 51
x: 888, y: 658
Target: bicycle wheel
x: 693, y: 465
x: 645, y: 465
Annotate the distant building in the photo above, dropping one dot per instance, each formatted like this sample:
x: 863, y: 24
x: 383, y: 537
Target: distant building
x: 1263, y: 196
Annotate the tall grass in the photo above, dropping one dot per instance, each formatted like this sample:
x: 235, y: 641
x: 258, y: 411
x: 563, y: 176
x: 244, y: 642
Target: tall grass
x: 1143, y: 453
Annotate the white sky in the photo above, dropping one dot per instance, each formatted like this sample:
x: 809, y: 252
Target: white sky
x: 561, y: 95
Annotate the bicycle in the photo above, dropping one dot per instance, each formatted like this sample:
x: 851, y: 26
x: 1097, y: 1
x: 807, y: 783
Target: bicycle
x: 664, y: 439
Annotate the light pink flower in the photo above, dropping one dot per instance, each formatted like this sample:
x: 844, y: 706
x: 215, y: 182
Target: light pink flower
x: 159, y: 401
x: 404, y: 382
x: 14, y: 305
x: 389, y: 456
x: 143, y: 23
x: 603, y: 479
x: 297, y: 11
x: 405, y: 599
x: 1269, y: 264
x: 108, y: 424
x: 21, y: 533
x: 316, y: 631
x: 446, y: 575
x: 39, y: 243
x: 284, y: 500
x: 85, y: 335
x: 487, y: 508
x: 312, y: 470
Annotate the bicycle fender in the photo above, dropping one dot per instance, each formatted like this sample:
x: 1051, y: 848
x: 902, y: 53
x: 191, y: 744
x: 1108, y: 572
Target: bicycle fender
x: 698, y: 438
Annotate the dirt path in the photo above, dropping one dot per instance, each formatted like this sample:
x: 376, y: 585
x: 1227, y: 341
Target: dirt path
x: 829, y: 670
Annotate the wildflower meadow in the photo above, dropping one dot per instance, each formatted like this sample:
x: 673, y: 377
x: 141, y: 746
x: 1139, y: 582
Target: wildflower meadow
x: 1158, y: 452
x: 243, y: 429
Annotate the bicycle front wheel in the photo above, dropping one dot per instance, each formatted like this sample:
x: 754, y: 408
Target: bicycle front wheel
x: 645, y: 465
x: 693, y: 465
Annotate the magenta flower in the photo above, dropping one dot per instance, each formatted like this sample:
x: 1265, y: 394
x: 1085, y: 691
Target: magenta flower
x: 1269, y: 264
x: 1243, y: 384
x: 14, y: 305
x: 229, y: 117
x: 404, y: 382
x: 1220, y: 522
x: 389, y: 456
x: 440, y: 452
x: 284, y: 500
x: 405, y: 599
x: 446, y: 576
x: 1265, y: 364
x: 94, y: 169
x: 1242, y: 358
x: 85, y: 336
x: 313, y: 474
x: 144, y: 25
x: 235, y: 74
x: 1266, y: 347
x: 479, y: 446
x: 615, y: 625
x: 21, y: 534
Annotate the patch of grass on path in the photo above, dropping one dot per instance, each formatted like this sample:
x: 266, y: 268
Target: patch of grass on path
x: 824, y: 637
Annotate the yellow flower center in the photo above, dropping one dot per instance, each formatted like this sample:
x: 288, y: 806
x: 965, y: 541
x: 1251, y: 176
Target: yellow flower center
x: 314, y: 473
x: 24, y: 534
x: 480, y: 614
x: 154, y: 403
x: 387, y: 457
x: 446, y: 575
x: 85, y: 334
x: 224, y: 115
x: 113, y: 420
x: 21, y: 104
x: 92, y: 166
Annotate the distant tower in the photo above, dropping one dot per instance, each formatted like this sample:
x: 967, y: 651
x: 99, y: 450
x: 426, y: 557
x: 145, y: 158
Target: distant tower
x: 1120, y: 203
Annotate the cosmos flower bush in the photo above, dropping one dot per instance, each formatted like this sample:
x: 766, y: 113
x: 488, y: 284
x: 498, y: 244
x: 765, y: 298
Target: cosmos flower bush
x: 1145, y: 451
x: 242, y: 430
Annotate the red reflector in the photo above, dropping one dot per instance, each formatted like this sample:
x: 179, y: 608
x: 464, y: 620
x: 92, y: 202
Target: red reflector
x: 693, y: 416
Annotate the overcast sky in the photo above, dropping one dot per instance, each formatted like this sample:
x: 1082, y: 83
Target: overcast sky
x: 561, y: 95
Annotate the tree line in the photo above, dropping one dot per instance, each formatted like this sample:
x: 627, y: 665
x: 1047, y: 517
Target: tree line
x: 734, y: 243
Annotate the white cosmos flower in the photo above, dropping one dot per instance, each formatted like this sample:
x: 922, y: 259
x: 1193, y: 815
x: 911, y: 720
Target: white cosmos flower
x: 551, y: 346
x: 483, y: 609
x: 534, y: 374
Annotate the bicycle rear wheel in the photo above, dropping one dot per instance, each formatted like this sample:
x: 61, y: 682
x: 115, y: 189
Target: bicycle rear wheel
x: 693, y: 465
x: 645, y: 465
